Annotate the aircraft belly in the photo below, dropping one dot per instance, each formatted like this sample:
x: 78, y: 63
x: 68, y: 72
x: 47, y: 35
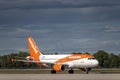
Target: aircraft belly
x: 48, y: 61
x: 80, y: 63
x: 83, y: 63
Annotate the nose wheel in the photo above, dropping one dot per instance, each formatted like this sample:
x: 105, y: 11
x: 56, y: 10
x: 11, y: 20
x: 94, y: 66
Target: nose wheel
x: 87, y: 70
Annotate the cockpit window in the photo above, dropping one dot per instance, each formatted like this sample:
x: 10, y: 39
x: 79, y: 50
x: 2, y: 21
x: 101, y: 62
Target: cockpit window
x: 91, y: 58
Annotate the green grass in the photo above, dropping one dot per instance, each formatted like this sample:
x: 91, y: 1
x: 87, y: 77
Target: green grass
x: 43, y: 71
x: 107, y: 70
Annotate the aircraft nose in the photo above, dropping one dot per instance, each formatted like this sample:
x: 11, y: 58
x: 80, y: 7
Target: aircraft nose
x: 96, y: 63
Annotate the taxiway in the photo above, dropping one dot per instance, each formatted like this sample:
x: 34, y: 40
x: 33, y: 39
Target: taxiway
x: 59, y: 76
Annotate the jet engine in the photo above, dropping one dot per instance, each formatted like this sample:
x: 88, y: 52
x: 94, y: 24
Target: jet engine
x: 58, y: 67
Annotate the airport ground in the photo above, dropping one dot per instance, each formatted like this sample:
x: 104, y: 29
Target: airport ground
x: 47, y: 71
x: 59, y: 76
x: 39, y: 74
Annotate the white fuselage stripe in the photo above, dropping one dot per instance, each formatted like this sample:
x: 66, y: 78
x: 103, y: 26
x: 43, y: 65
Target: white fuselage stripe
x: 82, y: 62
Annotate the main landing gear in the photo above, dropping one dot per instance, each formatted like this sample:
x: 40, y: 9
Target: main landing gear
x: 86, y: 70
x: 71, y: 71
x: 53, y: 72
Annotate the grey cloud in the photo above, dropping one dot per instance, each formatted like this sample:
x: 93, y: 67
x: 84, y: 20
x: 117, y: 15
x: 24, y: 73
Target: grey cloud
x: 45, y: 4
x: 60, y: 25
x: 61, y: 16
x: 115, y: 29
x: 46, y: 11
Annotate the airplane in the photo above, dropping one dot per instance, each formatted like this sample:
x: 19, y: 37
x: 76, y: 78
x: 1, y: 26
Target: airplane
x: 60, y: 62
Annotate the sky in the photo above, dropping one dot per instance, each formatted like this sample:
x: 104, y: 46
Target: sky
x: 62, y: 26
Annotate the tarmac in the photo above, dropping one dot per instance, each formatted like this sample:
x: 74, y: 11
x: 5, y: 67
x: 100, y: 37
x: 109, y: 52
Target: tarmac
x: 59, y: 76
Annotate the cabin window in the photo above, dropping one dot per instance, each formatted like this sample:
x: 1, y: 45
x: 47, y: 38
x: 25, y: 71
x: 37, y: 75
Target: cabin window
x: 91, y: 58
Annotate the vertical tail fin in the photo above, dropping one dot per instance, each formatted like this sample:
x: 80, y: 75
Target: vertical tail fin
x: 34, y: 50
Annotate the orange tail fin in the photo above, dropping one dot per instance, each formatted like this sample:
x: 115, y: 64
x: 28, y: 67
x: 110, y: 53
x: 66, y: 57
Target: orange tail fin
x: 34, y: 50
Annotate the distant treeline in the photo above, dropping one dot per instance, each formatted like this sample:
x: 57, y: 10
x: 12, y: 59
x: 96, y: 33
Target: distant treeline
x: 105, y: 59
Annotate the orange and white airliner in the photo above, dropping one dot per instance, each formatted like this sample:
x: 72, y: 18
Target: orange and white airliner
x: 60, y: 62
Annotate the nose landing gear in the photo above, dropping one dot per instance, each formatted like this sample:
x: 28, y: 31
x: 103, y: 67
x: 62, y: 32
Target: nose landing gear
x: 87, y: 70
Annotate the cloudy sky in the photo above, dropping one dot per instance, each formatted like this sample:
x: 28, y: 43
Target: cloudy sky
x: 62, y: 26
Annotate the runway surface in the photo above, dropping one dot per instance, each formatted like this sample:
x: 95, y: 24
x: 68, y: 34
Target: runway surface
x: 59, y: 76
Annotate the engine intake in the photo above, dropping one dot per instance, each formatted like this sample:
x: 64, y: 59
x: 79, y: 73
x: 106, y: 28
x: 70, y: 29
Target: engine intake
x: 58, y: 67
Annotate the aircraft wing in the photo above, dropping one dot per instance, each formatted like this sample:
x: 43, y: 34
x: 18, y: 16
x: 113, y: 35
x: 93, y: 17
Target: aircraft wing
x: 25, y: 61
x: 30, y: 61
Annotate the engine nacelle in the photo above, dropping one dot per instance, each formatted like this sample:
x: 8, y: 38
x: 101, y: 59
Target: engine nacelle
x: 58, y: 67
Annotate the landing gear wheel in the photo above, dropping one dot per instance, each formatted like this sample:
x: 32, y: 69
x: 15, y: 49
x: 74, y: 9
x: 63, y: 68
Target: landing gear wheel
x: 71, y: 71
x: 87, y: 70
x: 53, y: 72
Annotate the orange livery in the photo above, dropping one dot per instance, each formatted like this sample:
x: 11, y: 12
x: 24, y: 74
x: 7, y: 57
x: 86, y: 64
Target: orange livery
x: 60, y: 62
